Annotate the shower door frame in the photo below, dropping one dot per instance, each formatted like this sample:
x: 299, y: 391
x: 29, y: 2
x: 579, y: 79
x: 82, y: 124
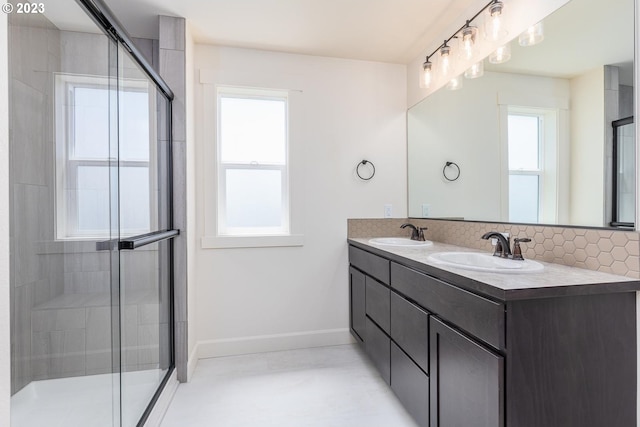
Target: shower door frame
x: 105, y: 19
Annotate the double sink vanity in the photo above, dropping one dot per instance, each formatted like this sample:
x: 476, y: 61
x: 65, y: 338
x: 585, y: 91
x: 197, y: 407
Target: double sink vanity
x: 467, y: 339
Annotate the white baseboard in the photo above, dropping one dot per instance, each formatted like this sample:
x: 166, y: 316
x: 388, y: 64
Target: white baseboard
x: 278, y: 342
x: 163, y: 402
x: 193, y: 361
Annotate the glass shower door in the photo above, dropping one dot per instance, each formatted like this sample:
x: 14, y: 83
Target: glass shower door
x: 145, y: 239
x: 64, y: 222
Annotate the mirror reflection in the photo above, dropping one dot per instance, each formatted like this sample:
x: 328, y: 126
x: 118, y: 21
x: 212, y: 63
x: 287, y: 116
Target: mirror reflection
x: 547, y: 137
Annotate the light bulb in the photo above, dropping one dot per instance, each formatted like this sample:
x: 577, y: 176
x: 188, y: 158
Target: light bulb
x: 533, y: 35
x: 475, y: 71
x: 445, y: 60
x: 426, y: 76
x: 494, y: 27
x: 468, y: 40
x: 501, y: 55
x: 455, y: 83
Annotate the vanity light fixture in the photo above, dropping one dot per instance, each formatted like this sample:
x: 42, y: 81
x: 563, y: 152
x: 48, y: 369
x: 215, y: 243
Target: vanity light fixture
x: 426, y: 76
x: 468, y: 40
x: 467, y: 37
x: 446, y: 61
x: 475, y: 71
x: 455, y: 83
x: 533, y: 35
x: 494, y: 28
x: 501, y: 55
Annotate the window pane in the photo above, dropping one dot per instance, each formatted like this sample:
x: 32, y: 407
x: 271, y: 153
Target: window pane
x: 90, y: 123
x: 93, y: 199
x: 252, y: 130
x: 134, y: 125
x: 523, y: 198
x: 523, y: 140
x: 134, y: 200
x: 254, y: 198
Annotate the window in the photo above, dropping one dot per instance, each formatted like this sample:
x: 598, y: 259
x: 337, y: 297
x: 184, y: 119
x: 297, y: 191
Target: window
x: 85, y: 155
x: 252, y: 157
x: 525, y: 146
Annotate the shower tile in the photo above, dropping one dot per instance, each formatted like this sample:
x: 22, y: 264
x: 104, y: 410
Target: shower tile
x: 148, y: 344
x: 58, y: 320
x: 98, y: 339
x: 68, y: 353
x: 172, y: 33
x: 21, y: 346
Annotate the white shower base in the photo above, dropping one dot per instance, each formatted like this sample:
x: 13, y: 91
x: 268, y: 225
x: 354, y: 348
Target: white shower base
x: 89, y: 401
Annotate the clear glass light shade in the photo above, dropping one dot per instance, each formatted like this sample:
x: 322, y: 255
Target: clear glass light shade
x: 475, y: 71
x: 467, y: 39
x: 532, y: 36
x: 445, y: 61
x: 455, y: 83
x: 494, y: 27
x: 501, y: 55
x: 426, y: 75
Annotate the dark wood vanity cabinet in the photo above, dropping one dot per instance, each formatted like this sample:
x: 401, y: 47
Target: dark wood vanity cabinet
x: 456, y: 357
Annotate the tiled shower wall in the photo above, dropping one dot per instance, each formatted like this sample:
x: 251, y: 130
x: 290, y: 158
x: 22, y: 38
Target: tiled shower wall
x: 609, y: 251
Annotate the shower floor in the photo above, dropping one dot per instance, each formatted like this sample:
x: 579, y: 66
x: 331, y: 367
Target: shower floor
x: 84, y: 401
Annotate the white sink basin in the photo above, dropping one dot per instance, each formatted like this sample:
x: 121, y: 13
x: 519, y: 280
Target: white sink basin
x: 399, y: 241
x: 485, y: 262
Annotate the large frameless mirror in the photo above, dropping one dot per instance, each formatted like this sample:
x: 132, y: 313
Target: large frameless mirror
x: 547, y: 137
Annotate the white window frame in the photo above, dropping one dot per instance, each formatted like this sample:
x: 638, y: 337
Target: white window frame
x: 539, y: 172
x: 223, y: 167
x: 67, y: 165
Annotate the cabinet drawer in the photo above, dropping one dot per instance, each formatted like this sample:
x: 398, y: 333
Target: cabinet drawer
x: 411, y: 385
x: 478, y: 316
x: 371, y: 264
x: 377, y: 345
x: 410, y: 329
x: 377, y: 307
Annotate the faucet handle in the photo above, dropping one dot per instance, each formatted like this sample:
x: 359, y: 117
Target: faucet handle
x: 517, y: 250
x: 421, y: 233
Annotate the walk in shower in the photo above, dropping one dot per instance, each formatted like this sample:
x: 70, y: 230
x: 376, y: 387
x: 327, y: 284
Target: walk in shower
x: 91, y: 224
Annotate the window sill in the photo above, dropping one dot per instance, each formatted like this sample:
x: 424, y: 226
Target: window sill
x: 230, y: 242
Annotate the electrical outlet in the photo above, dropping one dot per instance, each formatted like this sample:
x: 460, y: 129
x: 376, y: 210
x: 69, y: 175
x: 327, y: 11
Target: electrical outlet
x: 388, y: 211
x: 426, y: 210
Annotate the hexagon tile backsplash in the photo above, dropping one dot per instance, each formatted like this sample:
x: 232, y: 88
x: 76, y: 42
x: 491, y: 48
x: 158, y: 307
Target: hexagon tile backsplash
x: 609, y: 251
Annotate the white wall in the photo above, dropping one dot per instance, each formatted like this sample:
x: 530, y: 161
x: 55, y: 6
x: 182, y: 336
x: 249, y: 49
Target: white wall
x: 270, y: 298
x: 5, y: 360
x: 464, y: 126
x: 191, y: 195
x: 587, y: 148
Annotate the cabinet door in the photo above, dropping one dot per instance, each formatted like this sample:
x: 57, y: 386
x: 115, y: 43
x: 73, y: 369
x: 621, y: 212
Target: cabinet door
x: 466, y: 381
x: 378, y: 346
x: 411, y: 385
x: 358, y: 301
x: 410, y: 329
x: 377, y: 305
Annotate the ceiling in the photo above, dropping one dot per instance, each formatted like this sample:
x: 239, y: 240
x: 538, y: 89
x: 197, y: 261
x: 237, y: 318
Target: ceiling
x: 393, y: 31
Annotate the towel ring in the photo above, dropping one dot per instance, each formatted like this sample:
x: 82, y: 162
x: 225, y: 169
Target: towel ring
x: 444, y: 171
x: 365, y: 162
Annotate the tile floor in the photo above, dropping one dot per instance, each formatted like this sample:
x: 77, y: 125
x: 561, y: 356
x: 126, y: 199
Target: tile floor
x: 324, y: 387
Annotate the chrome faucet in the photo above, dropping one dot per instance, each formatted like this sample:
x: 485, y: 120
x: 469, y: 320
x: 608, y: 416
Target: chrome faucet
x: 417, y: 233
x: 503, y: 246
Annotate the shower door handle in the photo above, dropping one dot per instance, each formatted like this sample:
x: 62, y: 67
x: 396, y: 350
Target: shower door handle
x: 136, y: 242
